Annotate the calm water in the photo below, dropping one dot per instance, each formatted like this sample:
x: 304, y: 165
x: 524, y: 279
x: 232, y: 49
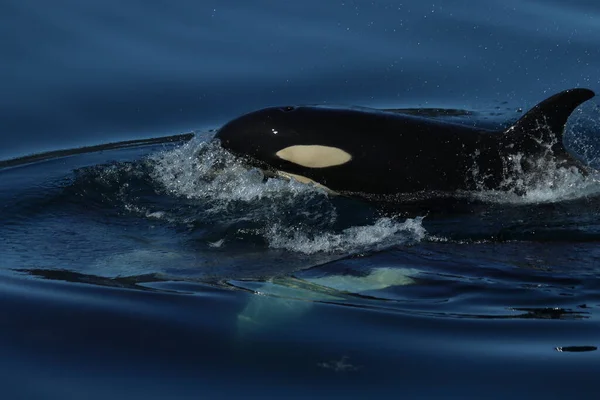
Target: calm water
x: 166, y: 269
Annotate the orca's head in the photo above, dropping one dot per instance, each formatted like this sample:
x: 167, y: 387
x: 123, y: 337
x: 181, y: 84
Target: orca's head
x: 285, y: 138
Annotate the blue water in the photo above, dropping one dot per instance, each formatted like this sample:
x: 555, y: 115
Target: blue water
x: 157, y: 266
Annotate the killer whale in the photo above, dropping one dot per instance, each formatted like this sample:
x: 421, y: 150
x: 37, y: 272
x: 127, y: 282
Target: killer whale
x: 367, y: 151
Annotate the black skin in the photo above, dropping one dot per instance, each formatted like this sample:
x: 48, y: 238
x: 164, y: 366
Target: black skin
x: 395, y: 153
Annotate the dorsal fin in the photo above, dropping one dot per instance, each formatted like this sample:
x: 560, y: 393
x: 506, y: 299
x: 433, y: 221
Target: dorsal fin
x: 544, y: 124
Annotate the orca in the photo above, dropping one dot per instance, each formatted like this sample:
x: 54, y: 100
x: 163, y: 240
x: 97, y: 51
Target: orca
x: 356, y: 150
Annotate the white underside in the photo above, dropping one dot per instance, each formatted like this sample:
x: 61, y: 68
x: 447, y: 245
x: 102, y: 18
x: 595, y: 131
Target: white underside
x: 305, y: 180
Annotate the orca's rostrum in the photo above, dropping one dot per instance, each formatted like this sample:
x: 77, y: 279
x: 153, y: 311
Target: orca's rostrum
x: 361, y: 150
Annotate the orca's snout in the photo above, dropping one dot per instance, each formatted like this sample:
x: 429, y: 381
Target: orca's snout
x: 249, y: 133
x: 231, y: 131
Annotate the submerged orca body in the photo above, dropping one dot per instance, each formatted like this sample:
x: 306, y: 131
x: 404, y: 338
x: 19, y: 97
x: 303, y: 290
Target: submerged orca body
x: 361, y: 150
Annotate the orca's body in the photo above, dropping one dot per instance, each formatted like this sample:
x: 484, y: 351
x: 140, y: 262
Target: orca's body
x: 358, y: 150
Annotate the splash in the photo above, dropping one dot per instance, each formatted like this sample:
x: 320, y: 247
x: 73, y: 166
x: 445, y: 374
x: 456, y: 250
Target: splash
x: 385, y: 232
x: 547, y: 178
x: 212, y: 186
x: 202, y: 169
x: 284, y: 214
x: 548, y: 182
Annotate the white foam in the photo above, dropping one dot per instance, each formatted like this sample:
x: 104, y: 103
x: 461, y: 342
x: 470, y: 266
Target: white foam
x: 547, y: 179
x: 156, y: 215
x: 289, y: 215
x: 549, y: 183
x: 384, y: 233
x: 204, y: 170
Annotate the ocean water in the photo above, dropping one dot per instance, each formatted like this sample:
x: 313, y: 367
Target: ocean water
x: 138, y: 259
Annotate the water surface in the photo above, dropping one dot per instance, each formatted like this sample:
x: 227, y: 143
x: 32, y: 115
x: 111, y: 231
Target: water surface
x: 165, y: 268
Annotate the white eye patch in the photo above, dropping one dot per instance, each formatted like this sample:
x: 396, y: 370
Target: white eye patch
x: 314, y: 156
